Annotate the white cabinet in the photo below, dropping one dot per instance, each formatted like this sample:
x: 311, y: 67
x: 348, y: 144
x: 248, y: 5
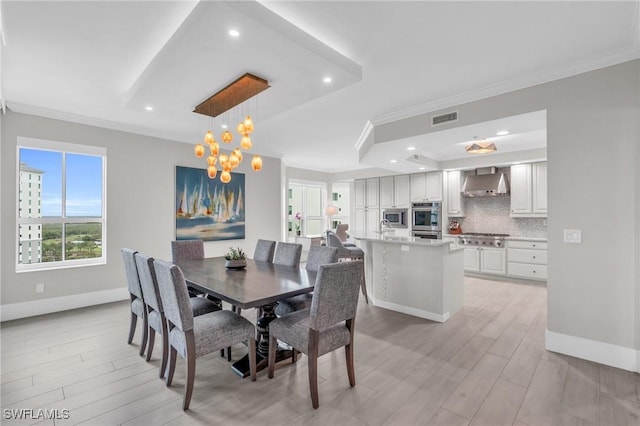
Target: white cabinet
x: 529, y: 190
x: 527, y: 259
x: 455, y: 205
x: 489, y: 260
x: 394, y: 191
x: 426, y: 187
x: 367, y: 211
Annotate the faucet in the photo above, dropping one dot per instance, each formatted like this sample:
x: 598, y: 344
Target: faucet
x: 384, y: 223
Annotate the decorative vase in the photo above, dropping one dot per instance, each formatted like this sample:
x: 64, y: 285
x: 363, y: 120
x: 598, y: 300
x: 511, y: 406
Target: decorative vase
x: 235, y: 264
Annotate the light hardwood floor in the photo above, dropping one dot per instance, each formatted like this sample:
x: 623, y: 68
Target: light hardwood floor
x: 485, y: 366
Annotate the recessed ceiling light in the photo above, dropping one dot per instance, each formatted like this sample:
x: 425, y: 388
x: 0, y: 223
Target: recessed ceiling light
x: 502, y: 133
x: 327, y: 80
x: 224, y: 126
x: 234, y: 33
x: 411, y: 148
x: 421, y: 168
x: 393, y: 161
x: 149, y: 108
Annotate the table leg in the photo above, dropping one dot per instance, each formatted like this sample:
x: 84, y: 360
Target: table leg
x: 241, y: 367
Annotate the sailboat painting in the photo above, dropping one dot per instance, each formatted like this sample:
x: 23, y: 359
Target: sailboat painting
x: 207, y: 209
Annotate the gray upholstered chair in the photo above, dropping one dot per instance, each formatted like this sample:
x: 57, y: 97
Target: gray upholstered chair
x: 327, y: 326
x: 193, y: 337
x: 288, y: 254
x: 194, y: 249
x: 318, y: 255
x: 341, y: 232
x: 348, y: 253
x: 135, y: 293
x: 155, y: 313
x: 264, y: 250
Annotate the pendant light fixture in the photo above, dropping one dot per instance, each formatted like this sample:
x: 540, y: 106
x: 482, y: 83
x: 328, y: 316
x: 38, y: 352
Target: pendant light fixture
x: 231, y: 96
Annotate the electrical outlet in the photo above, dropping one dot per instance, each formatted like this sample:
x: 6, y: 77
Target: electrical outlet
x: 573, y: 236
x: 40, y: 288
x: 404, y: 248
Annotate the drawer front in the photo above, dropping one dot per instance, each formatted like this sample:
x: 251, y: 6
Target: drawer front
x: 527, y: 256
x: 524, y: 270
x: 527, y: 244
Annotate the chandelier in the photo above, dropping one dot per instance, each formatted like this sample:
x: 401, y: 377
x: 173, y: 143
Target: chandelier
x: 242, y: 89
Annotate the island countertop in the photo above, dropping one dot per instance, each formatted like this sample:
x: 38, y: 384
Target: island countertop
x: 392, y: 239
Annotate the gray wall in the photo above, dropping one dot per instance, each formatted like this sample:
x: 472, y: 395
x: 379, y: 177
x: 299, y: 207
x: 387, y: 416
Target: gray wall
x: 593, y: 184
x: 140, y: 204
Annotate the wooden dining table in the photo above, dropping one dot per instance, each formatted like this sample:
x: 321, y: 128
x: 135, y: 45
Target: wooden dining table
x: 259, y: 285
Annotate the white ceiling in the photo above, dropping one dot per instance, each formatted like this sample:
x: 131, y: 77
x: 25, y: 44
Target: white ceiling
x: 102, y: 63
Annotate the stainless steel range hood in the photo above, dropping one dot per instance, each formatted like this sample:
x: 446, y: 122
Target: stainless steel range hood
x: 486, y: 182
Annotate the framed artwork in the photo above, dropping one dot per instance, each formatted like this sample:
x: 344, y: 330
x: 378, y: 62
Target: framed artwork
x: 207, y: 209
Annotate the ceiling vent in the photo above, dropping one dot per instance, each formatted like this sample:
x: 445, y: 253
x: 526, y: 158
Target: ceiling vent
x: 449, y: 117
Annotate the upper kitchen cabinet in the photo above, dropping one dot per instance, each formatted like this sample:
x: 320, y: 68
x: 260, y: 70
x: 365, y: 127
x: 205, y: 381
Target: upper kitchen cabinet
x: 426, y: 187
x: 367, y: 211
x: 394, y: 192
x: 529, y: 190
x: 455, y: 206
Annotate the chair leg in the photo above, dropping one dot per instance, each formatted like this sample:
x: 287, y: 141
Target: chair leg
x: 145, y: 335
x: 252, y: 358
x: 190, y: 361
x: 349, y: 355
x: 132, y: 327
x: 151, y: 342
x: 294, y: 355
x: 172, y: 365
x: 363, y: 285
x: 273, y: 343
x: 229, y: 353
x: 165, y: 350
x: 313, y: 366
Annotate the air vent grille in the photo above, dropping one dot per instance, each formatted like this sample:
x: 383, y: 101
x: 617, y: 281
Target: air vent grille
x: 437, y: 120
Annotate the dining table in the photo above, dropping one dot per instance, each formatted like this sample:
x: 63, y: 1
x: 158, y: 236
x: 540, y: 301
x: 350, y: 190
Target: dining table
x: 259, y: 285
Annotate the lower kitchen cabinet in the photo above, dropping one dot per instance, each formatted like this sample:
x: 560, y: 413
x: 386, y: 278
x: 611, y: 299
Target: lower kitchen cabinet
x: 527, y: 259
x: 487, y: 260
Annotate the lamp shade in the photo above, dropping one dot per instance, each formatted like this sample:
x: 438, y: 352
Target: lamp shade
x: 481, y: 148
x: 331, y: 210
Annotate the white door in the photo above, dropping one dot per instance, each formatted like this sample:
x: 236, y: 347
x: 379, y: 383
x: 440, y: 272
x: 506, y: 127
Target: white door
x: 521, y: 188
x: 540, y: 188
x: 471, y: 259
x: 493, y: 260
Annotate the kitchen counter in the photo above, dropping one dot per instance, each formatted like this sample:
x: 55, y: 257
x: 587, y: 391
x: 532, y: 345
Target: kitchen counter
x: 415, y: 276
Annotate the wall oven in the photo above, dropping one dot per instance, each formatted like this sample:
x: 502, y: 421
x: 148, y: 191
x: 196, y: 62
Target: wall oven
x: 397, y: 217
x: 428, y: 235
x: 426, y: 217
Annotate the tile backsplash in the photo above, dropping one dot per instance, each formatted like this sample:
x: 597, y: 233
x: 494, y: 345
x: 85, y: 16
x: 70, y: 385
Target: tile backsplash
x: 491, y: 214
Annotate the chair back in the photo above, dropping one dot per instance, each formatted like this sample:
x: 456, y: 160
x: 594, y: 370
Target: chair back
x: 334, y: 241
x: 341, y: 232
x: 133, y: 280
x: 288, y: 254
x: 148, y: 281
x: 187, y: 250
x: 174, y: 295
x: 335, y: 297
x: 320, y: 255
x: 264, y: 250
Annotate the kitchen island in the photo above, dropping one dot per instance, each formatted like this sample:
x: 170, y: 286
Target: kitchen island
x: 415, y: 276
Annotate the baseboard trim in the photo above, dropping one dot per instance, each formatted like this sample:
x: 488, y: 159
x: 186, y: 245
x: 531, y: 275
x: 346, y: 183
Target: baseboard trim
x: 592, y: 350
x: 412, y: 311
x: 57, y: 304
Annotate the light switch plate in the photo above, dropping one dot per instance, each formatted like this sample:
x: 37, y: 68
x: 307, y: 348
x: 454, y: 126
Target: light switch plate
x: 573, y: 236
x: 404, y: 248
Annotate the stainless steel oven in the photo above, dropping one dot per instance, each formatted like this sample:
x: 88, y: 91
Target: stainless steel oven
x: 426, y: 217
x: 428, y: 235
x: 397, y: 217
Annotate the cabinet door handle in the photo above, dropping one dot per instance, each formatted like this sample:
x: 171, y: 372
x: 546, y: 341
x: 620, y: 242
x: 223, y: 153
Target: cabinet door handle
x: 534, y: 245
x: 534, y: 257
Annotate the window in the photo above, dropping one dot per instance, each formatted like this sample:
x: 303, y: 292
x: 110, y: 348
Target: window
x: 69, y: 227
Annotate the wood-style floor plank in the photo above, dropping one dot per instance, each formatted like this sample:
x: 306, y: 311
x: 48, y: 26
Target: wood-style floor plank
x: 485, y: 366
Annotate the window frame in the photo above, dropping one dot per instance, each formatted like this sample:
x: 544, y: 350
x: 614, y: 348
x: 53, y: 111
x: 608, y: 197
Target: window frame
x: 64, y: 148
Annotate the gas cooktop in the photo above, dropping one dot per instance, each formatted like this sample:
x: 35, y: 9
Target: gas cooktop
x: 482, y: 239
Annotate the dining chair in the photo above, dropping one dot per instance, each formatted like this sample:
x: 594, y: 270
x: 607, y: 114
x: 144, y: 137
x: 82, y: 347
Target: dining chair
x: 327, y: 326
x: 135, y: 294
x: 288, y: 254
x: 188, y: 250
x: 318, y: 255
x: 264, y: 250
x: 193, y: 337
x: 153, y: 307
